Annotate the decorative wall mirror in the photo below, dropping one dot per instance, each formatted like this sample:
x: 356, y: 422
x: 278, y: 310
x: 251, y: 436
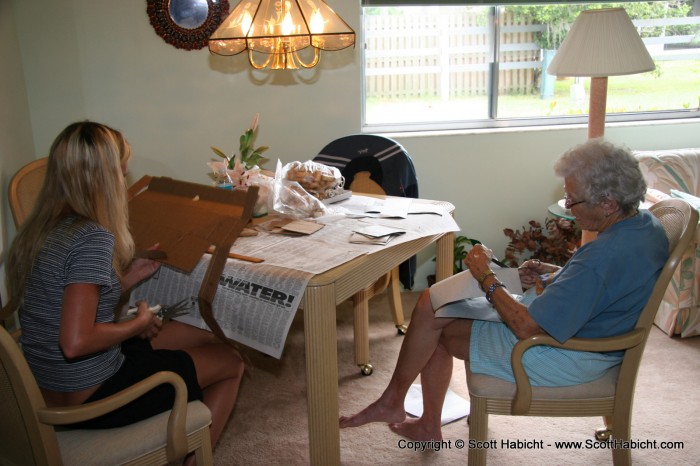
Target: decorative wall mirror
x: 186, y: 24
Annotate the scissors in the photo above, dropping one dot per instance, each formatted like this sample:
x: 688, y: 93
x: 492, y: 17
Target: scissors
x: 163, y: 312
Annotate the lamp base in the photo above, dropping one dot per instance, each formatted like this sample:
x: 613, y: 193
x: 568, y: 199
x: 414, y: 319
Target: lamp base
x: 596, y: 109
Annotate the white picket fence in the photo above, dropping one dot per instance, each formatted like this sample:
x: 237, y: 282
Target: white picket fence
x: 449, y: 56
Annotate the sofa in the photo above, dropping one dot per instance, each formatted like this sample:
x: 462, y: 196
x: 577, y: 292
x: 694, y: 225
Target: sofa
x: 676, y: 173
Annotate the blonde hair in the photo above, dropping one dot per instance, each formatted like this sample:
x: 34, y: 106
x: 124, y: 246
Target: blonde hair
x: 83, y: 178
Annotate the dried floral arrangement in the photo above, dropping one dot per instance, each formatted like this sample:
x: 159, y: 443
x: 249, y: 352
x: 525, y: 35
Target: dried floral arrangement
x: 555, y: 243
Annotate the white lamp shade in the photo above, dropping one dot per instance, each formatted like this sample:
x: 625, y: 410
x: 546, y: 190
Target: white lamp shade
x: 601, y: 42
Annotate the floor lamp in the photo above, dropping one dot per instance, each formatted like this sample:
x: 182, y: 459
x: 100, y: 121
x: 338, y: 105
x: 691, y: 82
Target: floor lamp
x: 600, y: 43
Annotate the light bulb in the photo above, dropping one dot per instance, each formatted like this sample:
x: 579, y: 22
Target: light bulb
x: 316, y: 23
x: 287, y: 24
x: 246, y: 23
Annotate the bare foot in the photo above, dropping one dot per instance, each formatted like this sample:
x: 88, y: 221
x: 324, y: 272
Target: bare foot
x: 376, y: 412
x: 417, y: 429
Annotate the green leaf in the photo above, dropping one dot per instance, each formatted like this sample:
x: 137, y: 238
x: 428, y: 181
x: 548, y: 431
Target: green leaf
x: 219, y: 152
x: 246, y: 139
x: 249, y: 157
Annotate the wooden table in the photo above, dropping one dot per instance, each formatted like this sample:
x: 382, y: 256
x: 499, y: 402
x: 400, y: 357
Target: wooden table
x: 323, y: 293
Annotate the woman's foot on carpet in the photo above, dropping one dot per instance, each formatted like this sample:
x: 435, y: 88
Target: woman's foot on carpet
x: 376, y: 412
x: 417, y: 429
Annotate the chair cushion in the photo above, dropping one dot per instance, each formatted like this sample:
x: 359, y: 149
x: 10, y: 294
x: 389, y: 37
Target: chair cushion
x: 668, y: 171
x: 671, y: 169
x: 493, y: 387
x: 116, y: 446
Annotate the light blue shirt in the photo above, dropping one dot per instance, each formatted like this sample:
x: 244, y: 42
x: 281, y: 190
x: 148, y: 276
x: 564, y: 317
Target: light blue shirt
x: 603, y: 288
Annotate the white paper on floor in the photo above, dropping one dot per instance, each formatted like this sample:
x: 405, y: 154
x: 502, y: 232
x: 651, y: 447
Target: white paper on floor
x: 455, y: 407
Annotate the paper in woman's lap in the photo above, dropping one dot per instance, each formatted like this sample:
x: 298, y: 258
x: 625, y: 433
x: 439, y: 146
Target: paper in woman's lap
x: 459, y: 296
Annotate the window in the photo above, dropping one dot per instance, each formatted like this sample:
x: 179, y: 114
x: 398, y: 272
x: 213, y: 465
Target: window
x: 477, y: 65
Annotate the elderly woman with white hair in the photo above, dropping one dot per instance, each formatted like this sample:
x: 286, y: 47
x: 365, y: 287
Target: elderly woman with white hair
x: 600, y: 292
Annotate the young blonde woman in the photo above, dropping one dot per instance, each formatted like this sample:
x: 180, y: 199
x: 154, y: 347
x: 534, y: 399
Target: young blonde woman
x: 67, y: 270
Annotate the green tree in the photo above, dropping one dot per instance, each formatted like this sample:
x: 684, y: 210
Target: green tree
x: 559, y: 18
x: 556, y: 18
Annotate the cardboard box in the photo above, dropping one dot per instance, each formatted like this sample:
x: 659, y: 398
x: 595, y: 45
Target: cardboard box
x: 185, y: 218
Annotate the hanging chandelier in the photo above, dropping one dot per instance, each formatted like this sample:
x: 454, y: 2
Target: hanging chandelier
x: 279, y: 29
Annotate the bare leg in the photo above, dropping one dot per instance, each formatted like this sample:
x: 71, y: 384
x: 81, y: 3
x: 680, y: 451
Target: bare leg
x: 418, y: 347
x: 219, y: 368
x: 435, y: 379
x: 176, y: 335
x: 219, y: 372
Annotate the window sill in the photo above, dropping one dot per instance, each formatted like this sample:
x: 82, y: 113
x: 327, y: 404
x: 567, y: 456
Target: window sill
x: 529, y: 129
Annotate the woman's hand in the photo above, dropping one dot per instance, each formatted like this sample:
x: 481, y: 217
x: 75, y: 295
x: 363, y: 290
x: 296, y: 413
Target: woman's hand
x: 478, y: 260
x: 139, y: 270
x: 529, y: 273
x: 513, y: 313
x: 148, y: 321
x: 531, y: 270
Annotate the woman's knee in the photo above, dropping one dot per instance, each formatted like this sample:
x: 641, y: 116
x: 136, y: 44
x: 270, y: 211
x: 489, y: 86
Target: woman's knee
x: 424, y: 306
x: 215, y: 362
x: 424, y: 298
x: 230, y: 358
x: 455, y: 338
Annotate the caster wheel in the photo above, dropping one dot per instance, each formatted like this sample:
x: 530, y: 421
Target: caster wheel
x: 366, y: 369
x: 401, y: 329
x: 602, y: 434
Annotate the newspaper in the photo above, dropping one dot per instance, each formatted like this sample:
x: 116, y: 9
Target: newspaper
x: 255, y: 303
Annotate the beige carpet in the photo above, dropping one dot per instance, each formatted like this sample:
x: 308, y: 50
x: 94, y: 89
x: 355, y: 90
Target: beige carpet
x: 269, y: 424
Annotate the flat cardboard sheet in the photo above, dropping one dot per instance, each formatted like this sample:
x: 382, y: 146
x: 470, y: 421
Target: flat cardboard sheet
x: 185, y: 219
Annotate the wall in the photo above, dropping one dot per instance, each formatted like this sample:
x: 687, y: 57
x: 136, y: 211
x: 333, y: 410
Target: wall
x: 16, y: 145
x: 102, y: 60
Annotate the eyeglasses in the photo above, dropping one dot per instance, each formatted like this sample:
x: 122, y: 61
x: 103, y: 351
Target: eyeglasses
x: 568, y: 203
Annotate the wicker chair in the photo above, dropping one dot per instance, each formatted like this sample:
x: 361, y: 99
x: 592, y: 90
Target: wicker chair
x: 24, y: 189
x: 31, y: 433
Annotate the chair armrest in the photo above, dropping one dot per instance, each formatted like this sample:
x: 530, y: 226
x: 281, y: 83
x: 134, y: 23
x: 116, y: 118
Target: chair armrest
x: 523, y: 389
x: 176, y: 437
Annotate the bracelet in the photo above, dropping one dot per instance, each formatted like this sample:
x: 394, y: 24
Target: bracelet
x: 480, y: 279
x: 492, y: 289
x: 541, y: 283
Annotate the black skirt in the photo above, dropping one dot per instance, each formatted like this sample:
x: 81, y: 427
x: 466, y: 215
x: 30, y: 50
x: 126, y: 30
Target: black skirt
x: 141, y: 361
